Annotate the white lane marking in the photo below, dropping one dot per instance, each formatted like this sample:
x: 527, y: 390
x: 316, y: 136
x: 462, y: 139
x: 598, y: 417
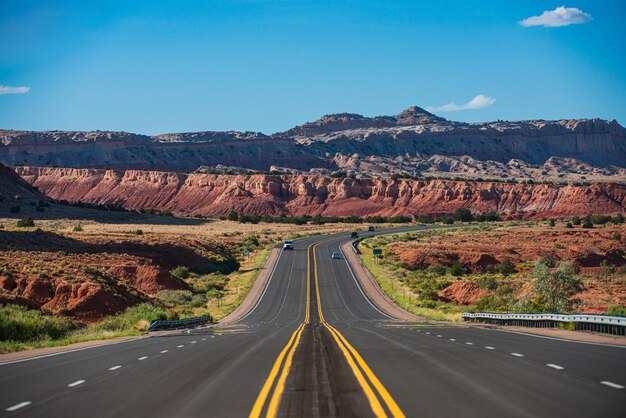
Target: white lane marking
x: 193, y: 342
x: 188, y: 331
x: 612, y: 385
x: 359, y: 284
x: 212, y: 336
x: 180, y: 346
x: 488, y: 347
x: 163, y: 351
x: 439, y: 335
x: 555, y: 366
x: 554, y: 338
x: 115, y: 367
x: 76, y: 383
x: 427, y: 332
x: 267, y: 285
x: 517, y: 354
x: 67, y: 351
x: 204, y: 339
x: 468, y: 343
x: 418, y: 330
x: 452, y: 339
x: 18, y: 406
x: 142, y: 358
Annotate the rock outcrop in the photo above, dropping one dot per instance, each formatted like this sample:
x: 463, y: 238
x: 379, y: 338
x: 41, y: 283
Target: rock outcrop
x: 414, y: 142
x: 211, y: 194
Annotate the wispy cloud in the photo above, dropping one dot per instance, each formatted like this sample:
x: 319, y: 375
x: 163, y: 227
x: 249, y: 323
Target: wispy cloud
x: 13, y: 90
x: 477, y: 102
x: 561, y: 16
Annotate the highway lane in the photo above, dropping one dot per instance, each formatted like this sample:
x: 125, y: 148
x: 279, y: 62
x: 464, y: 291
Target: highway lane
x: 303, y: 358
x: 441, y: 371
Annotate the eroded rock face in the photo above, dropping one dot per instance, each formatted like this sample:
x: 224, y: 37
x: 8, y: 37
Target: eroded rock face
x: 210, y: 194
x: 412, y: 142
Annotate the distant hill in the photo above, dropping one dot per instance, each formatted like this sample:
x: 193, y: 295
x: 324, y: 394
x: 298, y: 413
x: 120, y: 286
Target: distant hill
x: 412, y: 143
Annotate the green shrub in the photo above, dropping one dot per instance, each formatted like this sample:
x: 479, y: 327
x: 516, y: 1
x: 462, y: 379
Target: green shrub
x: 576, y: 220
x: 616, y: 310
x: 128, y: 319
x: 487, y: 282
x: 182, y: 272
x: 457, y: 269
x: 26, y: 222
x: 437, y: 269
x: 20, y: 324
x: 506, y: 267
x: 138, y: 232
x: 552, y: 222
x: 587, y: 223
x: 78, y: 228
x: 174, y: 297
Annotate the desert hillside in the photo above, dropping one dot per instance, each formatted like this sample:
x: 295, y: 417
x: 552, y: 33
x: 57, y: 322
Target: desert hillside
x: 413, y: 143
x: 211, y: 194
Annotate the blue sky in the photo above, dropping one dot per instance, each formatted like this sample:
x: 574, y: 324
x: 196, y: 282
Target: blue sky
x: 155, y: 66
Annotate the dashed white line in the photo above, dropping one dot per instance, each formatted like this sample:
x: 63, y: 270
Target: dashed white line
x: 193, y: 342
x: 164, y: 351
x: 180, y: 346
x: 488, y: 347
x: 212, y: 336
x: 76, y: 383
x: 18, y: 406
x: 612, y: 385
x: 142, y: 358
x: 517, y: 354
x: 468, y: 343
x: 204, y: 339
x: 555, y: 366
x: 427, y: 332
x: 115, y: 367
x: 439, y: 335
x: 452, y: 339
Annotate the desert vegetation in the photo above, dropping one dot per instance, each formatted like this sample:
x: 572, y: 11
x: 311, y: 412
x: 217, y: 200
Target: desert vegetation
x: 527, y: 267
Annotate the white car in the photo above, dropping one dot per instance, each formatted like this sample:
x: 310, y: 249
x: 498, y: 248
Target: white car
x: 288, y: 245
x: 336, y: 256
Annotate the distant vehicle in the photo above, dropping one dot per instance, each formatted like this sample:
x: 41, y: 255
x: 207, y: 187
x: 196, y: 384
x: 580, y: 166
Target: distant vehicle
x: 336, y: 256
x: 354, y: 235
x: 371, y: 228
x: 288, y: 245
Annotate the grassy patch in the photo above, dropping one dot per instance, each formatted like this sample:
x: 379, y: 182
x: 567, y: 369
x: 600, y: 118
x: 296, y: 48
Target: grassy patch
x: 21, y: 328
x: 404, y: 296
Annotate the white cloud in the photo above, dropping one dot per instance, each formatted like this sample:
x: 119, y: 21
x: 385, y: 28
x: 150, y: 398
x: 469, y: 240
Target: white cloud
x: 13, y: 90
x: 561, y: 16
x: 477, y: 102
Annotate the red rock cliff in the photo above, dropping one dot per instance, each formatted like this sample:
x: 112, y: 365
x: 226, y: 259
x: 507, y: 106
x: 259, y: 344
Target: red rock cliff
x: 209, y: 194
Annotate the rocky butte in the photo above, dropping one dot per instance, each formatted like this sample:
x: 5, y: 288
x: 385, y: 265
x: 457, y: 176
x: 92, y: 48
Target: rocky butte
x: 412, y: 143
x: 213, y: 194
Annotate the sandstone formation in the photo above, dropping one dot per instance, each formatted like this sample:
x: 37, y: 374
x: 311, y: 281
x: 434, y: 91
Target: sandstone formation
x: 414, y: 143
x: 210, y: 194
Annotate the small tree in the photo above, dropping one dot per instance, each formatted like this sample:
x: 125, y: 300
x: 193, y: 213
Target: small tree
x: 26, y: 222
x: 506, y: 267
x: 181, y: 272
x: 576, y: 220
x: 553, y: 290
x: 587, y: 223
x: 457, y: 269
x: 233, y: 216
x: 618, y: 219
x: 552, y: 222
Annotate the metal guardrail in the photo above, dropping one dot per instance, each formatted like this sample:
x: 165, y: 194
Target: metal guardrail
x: 584, y: 322
x: 354, y: 246
x: 181, y: 323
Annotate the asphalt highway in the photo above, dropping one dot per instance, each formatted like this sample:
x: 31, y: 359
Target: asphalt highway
x: 315, y: 346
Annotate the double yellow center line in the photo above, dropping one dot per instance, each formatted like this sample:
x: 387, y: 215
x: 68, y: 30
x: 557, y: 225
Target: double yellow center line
x: 374, y: 390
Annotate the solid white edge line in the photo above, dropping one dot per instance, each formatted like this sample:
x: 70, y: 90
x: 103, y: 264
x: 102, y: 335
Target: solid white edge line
x: 267, y: 285
x: 115, y: 367
x: 76, y: 383
x: 359, y: 285
x: 555, y: 366
x: 517, y: 354
x: 66, y: 352
x: 163, y: 351
x: 488, y: 347
x: 611, y: 384
x: 142, y: 358
x: 553, y: 338
x: 18, y: 406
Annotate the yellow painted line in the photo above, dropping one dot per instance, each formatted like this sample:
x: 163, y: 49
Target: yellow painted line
x: 349, y: 351
x: 288, y: 351
x: 387, y: 398
x: 260, y: 400
x: 272, y: 409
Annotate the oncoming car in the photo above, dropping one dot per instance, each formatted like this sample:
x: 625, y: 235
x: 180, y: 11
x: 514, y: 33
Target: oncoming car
x: 288, y: 245
x: 335, y: 256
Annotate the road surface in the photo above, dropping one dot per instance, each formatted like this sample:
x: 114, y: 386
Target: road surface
x: 315, y: 346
